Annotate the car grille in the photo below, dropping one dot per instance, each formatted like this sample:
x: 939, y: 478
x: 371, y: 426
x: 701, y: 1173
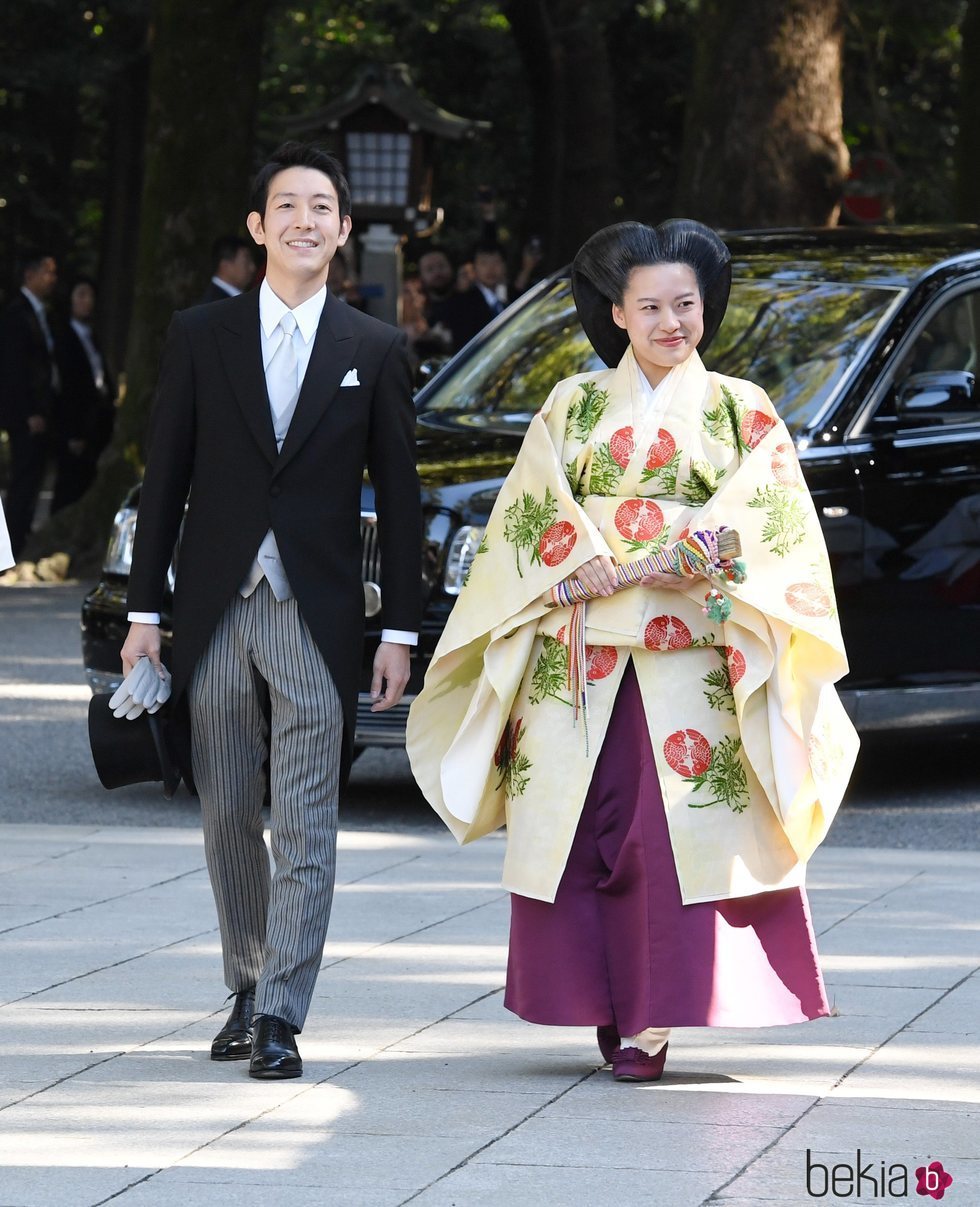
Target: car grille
x: 370, y: 549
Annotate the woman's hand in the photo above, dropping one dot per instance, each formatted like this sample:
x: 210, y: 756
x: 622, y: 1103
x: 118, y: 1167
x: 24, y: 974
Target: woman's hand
x: 672, y: 582
x: 598, y: 576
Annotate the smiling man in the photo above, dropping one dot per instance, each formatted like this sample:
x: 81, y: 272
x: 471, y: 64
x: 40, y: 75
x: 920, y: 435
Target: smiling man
x: 269, y: 407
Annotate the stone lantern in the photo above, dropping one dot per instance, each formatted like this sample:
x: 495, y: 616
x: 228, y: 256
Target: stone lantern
x: 387, y: 136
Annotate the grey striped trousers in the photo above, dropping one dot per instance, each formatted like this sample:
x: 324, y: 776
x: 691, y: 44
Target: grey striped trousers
x: 262, y: 663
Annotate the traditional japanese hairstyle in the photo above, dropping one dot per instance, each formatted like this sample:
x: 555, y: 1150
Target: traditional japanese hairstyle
x: 602, y: 267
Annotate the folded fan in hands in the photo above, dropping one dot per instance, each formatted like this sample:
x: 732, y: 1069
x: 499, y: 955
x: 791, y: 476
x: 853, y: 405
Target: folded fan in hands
x: 706, y: 553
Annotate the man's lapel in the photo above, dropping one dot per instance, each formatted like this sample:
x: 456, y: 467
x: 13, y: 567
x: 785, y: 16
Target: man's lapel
x: 237, y: 333
x: 333, y: 354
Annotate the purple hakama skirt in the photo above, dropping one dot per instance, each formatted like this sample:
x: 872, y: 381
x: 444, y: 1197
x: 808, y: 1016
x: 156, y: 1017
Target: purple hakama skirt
x: 619, y: 947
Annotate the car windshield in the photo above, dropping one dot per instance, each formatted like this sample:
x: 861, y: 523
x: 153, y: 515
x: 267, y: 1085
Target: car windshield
x: 795, y: 339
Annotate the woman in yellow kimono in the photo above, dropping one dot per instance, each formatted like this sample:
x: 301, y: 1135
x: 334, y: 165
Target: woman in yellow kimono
x: 666, y: 757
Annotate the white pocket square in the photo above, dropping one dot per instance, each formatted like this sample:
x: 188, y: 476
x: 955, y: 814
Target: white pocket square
x: 350, y: 378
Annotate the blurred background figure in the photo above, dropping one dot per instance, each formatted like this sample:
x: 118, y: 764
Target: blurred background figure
x: 436, y: 277
x: 469, y: 311
x: 342, y: 283
x: 232, y: 269
x: 83, y: 419
x: 30, y: 386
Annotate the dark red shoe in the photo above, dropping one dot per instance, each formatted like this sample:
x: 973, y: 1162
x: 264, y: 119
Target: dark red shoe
x: 630, y: 1064
x: 608, y: 1038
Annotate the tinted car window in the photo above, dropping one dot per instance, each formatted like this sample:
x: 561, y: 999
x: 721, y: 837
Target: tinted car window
x: 795, y: 339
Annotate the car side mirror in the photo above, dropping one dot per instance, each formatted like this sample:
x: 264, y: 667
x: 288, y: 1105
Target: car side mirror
x: 937, y: 398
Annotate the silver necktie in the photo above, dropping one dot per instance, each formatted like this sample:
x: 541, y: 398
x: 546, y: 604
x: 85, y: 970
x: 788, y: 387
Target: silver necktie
x: 282, y: 378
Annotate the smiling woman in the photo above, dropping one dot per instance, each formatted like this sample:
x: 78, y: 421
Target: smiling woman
x: 661, y: 797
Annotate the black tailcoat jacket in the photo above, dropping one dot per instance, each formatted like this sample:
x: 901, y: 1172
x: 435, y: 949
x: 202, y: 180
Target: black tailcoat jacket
x: 212, y: 444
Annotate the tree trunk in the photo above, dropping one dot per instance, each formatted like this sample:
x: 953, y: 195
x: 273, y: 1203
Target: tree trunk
x: 199, y: 145
x: 573, y: 184
x: 763, y: 144
x: 125, y: 131
x: 968, y: 144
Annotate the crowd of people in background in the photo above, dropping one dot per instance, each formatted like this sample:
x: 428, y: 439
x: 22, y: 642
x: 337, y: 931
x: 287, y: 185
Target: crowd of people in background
x: 58, y: 396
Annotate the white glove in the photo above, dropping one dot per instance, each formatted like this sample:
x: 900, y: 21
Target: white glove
x: 143, y: 690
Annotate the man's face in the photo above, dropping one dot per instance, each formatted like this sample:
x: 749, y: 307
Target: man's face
x: 488, y: 268
x: 42, y: 279
x: 302, y: 226
x: 240, y: 269
x: 435, y: 271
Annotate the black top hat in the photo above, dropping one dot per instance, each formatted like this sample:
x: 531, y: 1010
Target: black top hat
x: 130, y: 752
x: 602, y: 267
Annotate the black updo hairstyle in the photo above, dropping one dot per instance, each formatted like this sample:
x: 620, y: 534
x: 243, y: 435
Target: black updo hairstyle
x: 601, y: 272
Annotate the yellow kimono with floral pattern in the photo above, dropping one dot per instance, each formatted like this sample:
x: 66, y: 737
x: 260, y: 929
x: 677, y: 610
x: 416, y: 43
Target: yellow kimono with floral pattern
x: 752, y: 745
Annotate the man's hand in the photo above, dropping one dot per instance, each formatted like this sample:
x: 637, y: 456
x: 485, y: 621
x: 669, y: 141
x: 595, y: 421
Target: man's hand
x: 143, y: 641
x: 391, y: 664
x: 37, y: 425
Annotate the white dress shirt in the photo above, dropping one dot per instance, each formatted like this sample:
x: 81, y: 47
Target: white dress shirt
x: 84, y: 333
x: 230, y: 290
x: 271, y: 335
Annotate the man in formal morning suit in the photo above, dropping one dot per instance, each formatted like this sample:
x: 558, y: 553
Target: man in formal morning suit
x: 29, y: 389
x: 232, y: 269
x: 269, y: 407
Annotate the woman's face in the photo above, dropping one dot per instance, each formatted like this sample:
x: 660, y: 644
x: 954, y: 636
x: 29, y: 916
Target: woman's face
x: 663, y: 314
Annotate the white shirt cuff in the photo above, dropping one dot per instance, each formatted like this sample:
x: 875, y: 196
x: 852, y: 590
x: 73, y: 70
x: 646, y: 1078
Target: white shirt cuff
x: 399, y: 637
x: 143, y: 617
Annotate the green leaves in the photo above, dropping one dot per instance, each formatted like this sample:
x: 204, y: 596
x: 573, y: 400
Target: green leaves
x: 550, y: 674
x: 605, y: 473
x: 719, y: 684
x: 586, y: 411
x: 702, y: 483
x: 785, y: 525
x: 526, y: 521
x: 725, y: 778
x: 724, y: 422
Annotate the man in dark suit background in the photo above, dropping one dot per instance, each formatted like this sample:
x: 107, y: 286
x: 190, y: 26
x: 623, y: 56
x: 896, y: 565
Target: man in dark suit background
x: 85, y: 414
x: 232, y: 269
x: 29, y: 389
x: 269, y: 407
x: 466, y: 313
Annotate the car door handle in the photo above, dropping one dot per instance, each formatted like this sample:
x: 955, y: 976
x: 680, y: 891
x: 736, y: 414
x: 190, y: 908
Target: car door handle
x: 835, y: 513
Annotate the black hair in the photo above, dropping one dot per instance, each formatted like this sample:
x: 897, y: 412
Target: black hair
x: 611, y: 255
x: 487, y: 248
x: 300, y: 155
x: 433, y: 249
x: 227, y: 247
x: 602, y: 267
x: 31, y: 260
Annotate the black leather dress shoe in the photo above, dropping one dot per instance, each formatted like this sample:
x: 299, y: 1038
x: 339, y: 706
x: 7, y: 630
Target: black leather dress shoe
x: 274, y: 1051
x: 234, y: 1040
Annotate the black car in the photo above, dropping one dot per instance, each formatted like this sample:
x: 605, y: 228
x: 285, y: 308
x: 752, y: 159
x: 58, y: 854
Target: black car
x: 868, y: 344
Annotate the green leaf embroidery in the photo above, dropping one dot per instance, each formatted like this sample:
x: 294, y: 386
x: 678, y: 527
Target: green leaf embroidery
x: 665, y: 474
x: 469, y: 569
x: 605, y: 473
x: 719, y: 684
x: 586, y: 411
x: 785, y: 525
x: 724, y: 422
x: 653, y: 545
x: 550, y: 674
x: 574, y: 482
x: 702, y: 483
x: 510, y: 761
x: 526, y: 521
x: 725, y: 778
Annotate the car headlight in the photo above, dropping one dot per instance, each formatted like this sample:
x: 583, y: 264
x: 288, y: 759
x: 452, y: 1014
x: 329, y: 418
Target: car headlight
x: 462, y: 551
x: 119, y: 555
